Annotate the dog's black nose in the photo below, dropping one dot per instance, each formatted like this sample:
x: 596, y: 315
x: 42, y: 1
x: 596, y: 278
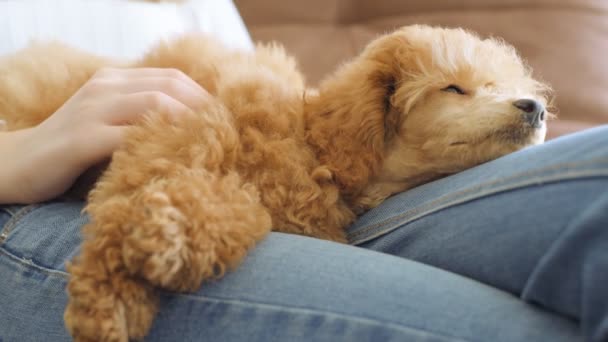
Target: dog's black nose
x: 534, y: 111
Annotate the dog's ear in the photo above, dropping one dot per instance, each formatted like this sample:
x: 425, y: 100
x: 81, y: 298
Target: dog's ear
x: 352, y: 118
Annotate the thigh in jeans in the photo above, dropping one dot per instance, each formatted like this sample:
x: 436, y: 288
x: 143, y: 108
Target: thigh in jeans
x: 290, y: 288
x: 534, y: 223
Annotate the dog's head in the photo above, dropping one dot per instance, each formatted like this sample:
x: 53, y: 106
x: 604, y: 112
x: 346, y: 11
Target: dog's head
x: 421, y: 103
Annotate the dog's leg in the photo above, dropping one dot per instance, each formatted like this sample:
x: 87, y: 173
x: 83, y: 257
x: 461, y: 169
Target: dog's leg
x: 191, y: 227
x: 173, y: 233
x: 105, y: 302
x: 169, y: 212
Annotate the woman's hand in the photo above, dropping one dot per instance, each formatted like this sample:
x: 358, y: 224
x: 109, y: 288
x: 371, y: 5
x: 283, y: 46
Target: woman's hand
x: 42, y: 162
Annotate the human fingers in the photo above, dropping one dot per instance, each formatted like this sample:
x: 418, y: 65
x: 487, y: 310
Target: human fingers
x: 177, y: 89
x: 128, y: 109
x: 132, y: 73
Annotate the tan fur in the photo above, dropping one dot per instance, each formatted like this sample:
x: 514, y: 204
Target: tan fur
x: 182, y: 203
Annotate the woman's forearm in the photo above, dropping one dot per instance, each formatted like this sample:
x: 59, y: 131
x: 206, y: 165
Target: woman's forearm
x: 34, y: 164
x: 13, y: 152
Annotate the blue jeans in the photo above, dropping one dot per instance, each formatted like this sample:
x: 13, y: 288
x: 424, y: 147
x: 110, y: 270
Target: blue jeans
x: 512, y: 250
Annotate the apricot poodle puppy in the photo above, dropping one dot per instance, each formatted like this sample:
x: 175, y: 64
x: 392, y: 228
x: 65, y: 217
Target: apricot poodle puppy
x: 183, y: 202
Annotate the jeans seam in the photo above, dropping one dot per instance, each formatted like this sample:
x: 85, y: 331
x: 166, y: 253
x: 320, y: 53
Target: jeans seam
x: 12, y: 222
x: 478, y: 191
x: 29, y: 263
x: 302, y: 309
x: 8, y: 210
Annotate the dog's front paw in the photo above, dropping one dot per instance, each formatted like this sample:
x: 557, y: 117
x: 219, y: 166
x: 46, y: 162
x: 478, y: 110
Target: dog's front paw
x: 100, y: 321
x: 107, y: 307
x: 156, y: 247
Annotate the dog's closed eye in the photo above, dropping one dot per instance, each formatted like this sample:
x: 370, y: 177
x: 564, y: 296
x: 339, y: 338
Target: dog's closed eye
x: 452, y: 88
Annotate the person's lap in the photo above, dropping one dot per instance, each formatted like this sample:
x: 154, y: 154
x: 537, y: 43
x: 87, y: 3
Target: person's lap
x: 290, y: 288
x: 295, y: 288
x: 534, y: 223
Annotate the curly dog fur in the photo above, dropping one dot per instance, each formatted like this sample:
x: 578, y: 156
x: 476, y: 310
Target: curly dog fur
x: 183, y: 202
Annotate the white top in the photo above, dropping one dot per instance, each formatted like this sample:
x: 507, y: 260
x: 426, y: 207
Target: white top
x: 116, y: 28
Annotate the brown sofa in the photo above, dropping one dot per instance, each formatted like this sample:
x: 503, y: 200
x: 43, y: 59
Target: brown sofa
x: 565, y: 41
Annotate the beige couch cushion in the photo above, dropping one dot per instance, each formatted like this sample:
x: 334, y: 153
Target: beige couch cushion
x: 565, y: 41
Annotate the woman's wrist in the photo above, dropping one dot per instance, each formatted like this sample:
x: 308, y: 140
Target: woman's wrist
x: 29, y: 163
x: 11, y: 153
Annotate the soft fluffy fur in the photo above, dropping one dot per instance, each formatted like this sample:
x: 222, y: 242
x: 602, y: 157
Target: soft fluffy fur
x: 182, y: 203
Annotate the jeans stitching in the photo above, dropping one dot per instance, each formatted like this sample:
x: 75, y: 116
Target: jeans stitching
x: 51, y: 272
x: 446, y: 201
x: 358, y: 236
x: 566, y: 166
x: 28, y: 263
x: 448, y: 197
x: 200, y: 298
x: 8, y: 211
x: 12, y: 222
